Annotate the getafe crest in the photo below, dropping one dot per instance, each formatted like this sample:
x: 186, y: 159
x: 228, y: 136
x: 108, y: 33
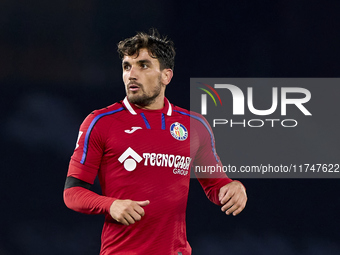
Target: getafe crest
x: 178, y: 131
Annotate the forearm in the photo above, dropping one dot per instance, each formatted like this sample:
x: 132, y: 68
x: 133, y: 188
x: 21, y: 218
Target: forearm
x: 85, y: 201
x: 212, y: 186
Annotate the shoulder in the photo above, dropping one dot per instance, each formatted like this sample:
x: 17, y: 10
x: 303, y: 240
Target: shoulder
x: 193, y: 115
x: 197, y: 121
x: 103, y: 113
x: 111, y: 109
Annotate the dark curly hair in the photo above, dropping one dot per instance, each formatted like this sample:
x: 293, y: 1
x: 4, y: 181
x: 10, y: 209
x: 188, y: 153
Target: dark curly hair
x: 159, y: 47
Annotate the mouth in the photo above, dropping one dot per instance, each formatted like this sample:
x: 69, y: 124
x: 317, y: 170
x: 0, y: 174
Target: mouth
x: 133, y: 87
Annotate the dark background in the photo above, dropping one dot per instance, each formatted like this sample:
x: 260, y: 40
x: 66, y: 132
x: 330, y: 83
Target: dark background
x: 58, y: 62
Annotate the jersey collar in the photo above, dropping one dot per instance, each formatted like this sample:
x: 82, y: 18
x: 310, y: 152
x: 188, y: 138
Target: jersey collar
x: 167, y: 109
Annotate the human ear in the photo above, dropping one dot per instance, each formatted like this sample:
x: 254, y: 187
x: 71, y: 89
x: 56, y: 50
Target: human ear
x: 167, y: 74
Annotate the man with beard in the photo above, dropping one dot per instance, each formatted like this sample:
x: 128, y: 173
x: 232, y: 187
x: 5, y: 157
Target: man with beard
x: 142, y: 149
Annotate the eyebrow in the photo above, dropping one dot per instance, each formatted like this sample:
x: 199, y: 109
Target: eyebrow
x: 142, y: 61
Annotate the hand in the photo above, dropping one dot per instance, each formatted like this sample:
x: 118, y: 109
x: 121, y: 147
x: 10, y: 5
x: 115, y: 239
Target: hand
x: 233, y: 197
x: 127, y: 211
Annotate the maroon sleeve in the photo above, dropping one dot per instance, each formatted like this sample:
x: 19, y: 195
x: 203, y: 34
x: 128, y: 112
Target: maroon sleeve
x: 87, y: 155
x: 84, y: 165
x: 85, y: 201
x: 207, y: 157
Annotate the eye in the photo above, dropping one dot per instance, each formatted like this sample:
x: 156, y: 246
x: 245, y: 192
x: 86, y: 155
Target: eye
x: 144, y: 66
x: 126, y: 67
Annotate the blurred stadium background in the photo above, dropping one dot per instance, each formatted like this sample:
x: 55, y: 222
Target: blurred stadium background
x: 58, y: 62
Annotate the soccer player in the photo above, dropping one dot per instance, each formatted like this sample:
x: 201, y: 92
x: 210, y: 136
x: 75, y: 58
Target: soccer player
x: 142, y: 149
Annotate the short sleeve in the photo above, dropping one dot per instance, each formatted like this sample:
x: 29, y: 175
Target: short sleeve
x: 87, y: 156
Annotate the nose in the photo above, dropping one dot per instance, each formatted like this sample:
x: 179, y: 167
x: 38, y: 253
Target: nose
x: 133, y: 73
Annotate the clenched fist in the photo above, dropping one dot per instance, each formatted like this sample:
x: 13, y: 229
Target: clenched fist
x: 127, y: 211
